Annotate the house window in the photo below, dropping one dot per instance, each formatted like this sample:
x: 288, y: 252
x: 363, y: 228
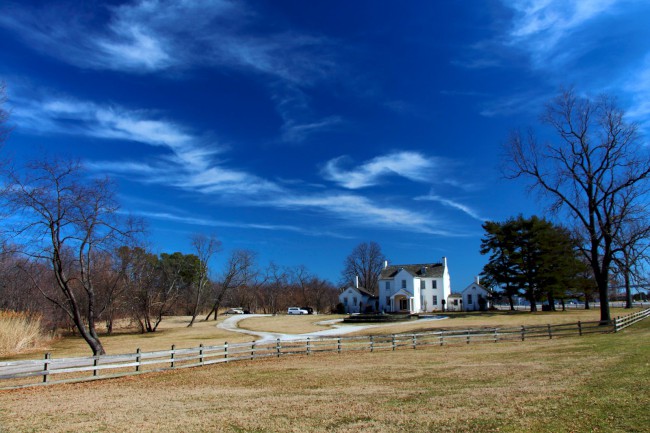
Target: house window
x: 354, y: 300
x: 388, y: 301
x: 469, y: 299
x: 434, y: 284
x: 345, y: 301
x: 422, y: 286
x: 403, y: 284
x: 455, y: 301
x: 435, y: 300
x: 388, y: 286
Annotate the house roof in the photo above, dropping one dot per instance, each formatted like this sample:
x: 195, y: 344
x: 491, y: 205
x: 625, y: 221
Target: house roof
x: 424, y: 270
x: 477, y: 286
x: 363, y: 291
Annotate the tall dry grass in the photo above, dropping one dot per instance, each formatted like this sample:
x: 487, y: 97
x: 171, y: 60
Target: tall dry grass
x: 20, y: 332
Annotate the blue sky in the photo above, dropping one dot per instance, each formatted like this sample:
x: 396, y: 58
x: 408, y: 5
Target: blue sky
x: 300, y: 128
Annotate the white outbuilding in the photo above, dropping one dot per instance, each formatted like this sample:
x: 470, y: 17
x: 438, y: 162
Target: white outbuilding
x: 475, y: 297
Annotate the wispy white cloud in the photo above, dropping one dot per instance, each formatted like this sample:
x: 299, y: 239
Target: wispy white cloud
x: 299, y: 121
x: 528, y: 101
x: 143, y: 36
x: 362, y: 211
x: 542, y: 24
x: 452, y: 204
x: 562, y: 42
x: 638, y: 86
x: 184, y: 160
x: 411, y: 165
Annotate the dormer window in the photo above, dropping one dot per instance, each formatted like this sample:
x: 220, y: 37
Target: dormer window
x: 403, y: 284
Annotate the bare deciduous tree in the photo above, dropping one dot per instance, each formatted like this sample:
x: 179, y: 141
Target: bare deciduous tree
x: 205, y: 247
x: 365, y: 261
x: 596, y: 172
x: 239, y: 271
x: 631, y: 255
x: 63, y: 219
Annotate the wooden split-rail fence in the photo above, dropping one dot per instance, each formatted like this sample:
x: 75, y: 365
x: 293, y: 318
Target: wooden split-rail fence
x: 18, y: 374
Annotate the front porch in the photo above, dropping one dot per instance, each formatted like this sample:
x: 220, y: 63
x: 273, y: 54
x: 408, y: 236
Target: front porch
x: 402, y: 302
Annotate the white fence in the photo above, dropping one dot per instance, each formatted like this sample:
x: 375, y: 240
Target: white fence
x: 17, y: 374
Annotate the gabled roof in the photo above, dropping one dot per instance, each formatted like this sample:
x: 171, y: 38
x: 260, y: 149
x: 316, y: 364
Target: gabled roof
x: 477, y: 286
x: 425, y: 270
x: 362, y: 290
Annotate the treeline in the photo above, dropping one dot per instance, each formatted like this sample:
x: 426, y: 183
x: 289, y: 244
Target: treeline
x: 142, y: 287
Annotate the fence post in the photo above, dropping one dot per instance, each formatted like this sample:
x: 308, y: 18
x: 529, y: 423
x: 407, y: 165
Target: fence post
x: 442, y: 338
x: 173, y: 350
x: 468, y: 335
x: 308, y: 346
x: 95, y: 362
x: 523, y: 332
x: 579, y: 328
x: 338, y: 348
x: 393, y: 341
x: 550, y: 334
x: 372, y: 344
x: 46, y: 370
x: 277, y: 347
x: 201, y: 353
x: 225, y: 350
x: 137, y: 359
x: 253, y: 350
x: 415, y: 341
x: 496, y: 335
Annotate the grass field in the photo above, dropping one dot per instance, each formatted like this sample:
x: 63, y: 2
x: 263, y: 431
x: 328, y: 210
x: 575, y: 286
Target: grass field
x: 173, y: 330
x: 579, y: 384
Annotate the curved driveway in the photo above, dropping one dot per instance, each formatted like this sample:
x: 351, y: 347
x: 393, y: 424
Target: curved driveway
x: 231, y: 324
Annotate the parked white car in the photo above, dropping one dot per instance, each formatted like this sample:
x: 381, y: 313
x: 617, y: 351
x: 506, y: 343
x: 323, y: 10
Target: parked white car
x: 235, y: 311
x: 296, y: 310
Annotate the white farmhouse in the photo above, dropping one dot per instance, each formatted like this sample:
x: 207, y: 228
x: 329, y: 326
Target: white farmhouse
x: 357, y: 299
x: 415, y: 288
x: 475, y: 297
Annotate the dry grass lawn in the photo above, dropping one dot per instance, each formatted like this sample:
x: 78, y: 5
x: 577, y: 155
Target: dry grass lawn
x: 286, y: 324
x: 578, y: 384
x: 503, y: 319
x: 173, y: 330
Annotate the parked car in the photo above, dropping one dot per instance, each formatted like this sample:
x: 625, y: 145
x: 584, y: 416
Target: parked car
x: 234, y: 311
x: 296, y: 310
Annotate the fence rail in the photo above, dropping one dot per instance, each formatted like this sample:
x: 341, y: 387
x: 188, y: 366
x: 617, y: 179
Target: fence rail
x: 17, y: 374
x: 630, y: 319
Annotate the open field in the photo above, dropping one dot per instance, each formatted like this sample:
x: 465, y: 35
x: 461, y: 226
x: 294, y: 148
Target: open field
x: 173, y: 330
x: 493, y: 319
x: 590, y: 383
x: 285, y: 324
x: 304, y: 324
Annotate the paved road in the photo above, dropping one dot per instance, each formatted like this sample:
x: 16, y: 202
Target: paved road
x: 231, y: 324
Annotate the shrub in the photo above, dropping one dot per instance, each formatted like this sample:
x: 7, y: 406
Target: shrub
x: 19, y: 331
